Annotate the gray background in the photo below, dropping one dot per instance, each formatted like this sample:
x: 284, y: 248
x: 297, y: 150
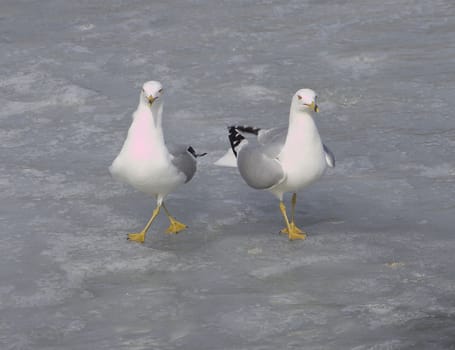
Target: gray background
x: 377, y: 270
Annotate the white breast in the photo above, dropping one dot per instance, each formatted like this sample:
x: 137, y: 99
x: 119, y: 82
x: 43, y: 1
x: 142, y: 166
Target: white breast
x: 302, y: 157
x: 144, y: 161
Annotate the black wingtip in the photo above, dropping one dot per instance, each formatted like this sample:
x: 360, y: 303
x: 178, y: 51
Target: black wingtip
x: 193, y: 152
x: 235, y: 138
x: 248, y: 129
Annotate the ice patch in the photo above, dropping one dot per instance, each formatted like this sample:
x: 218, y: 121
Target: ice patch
x: 258, y: 70
x: 360, y: 65
x: 22, y: 82
x: 256, y: 322
x: 279, y: 268
x: 257, y: 92
x: 297, y: 298
x: 13, y: 138
x: 69, y: 95
x: 50, y: 290
x: 380, y: 315
x: 91, y: 256
x: 355, y: 166
x: 254, y: 251
x: 387, y: 345
x: 85, y: 27
x: 438, y: 171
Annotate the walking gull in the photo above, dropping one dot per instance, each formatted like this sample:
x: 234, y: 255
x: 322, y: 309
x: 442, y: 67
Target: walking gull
x: 146, y: 163
x: 282, y: 160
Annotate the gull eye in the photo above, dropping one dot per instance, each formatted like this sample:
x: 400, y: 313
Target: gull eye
x: 160, y: 91
x: 299, y: 97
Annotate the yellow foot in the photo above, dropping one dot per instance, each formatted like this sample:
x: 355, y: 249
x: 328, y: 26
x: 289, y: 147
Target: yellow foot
x: 296, y: 235
x: 175, y: 227
x: 294, y: 229
x: 137, y: 237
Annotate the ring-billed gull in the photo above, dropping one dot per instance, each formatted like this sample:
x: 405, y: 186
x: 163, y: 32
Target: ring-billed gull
x: 146, y: 163
x: 282, y: 160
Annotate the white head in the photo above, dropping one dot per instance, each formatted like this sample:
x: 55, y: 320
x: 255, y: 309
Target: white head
x: 151, y: 91
x: 305, y: 100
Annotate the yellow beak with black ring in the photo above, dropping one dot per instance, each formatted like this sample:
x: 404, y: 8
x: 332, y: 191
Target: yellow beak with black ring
x: 151, y: 99
x: 313, y: 106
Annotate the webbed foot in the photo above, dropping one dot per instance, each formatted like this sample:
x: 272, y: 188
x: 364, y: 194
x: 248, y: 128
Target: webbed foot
x: 137, y: 237
x: 294, y: 229
x: 175, y: 227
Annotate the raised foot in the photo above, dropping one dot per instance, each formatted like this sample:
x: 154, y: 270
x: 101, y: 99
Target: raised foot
x: 294, y: 229
x: 175, y: 227
x: 137, y: 237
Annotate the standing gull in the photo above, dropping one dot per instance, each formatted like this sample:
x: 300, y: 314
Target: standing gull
x: 282, y: 160
x: 147, y: 164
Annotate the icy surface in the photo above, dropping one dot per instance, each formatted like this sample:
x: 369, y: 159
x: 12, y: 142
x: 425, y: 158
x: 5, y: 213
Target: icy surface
x: 378, y: 268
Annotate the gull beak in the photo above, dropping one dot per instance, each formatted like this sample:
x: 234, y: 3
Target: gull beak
x: 313, y: 106
x: 151, y: 99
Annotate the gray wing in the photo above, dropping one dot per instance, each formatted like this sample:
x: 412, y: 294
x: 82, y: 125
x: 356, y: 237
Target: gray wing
x: 257, y: 168
x: 274, y: 135
x: 272, y: 140
x: 183, y: 160
x: 329, y: 156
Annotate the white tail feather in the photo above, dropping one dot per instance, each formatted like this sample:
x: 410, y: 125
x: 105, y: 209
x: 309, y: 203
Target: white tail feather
x: 228, y: 160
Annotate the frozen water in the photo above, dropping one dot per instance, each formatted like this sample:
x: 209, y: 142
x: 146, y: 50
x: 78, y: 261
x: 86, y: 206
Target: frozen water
x: 377, y: 271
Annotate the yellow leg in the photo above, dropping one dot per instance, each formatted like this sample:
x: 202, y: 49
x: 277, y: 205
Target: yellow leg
x: 175, y: 226
x: 294, y: 227
x: 140, y: 236
x: 292, y: 234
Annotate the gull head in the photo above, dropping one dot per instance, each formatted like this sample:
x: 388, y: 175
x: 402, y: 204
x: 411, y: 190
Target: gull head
x: 306, y: 100
x: 151, y: 91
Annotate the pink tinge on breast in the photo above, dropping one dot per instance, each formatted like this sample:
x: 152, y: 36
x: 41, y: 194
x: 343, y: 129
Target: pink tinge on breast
x: 140, y: 145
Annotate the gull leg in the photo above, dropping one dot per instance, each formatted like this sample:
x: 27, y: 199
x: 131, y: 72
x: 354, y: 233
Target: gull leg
x: 175, y: 226
x: 294, y: 227
x: 292, y: 234
x: 140, y: 236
